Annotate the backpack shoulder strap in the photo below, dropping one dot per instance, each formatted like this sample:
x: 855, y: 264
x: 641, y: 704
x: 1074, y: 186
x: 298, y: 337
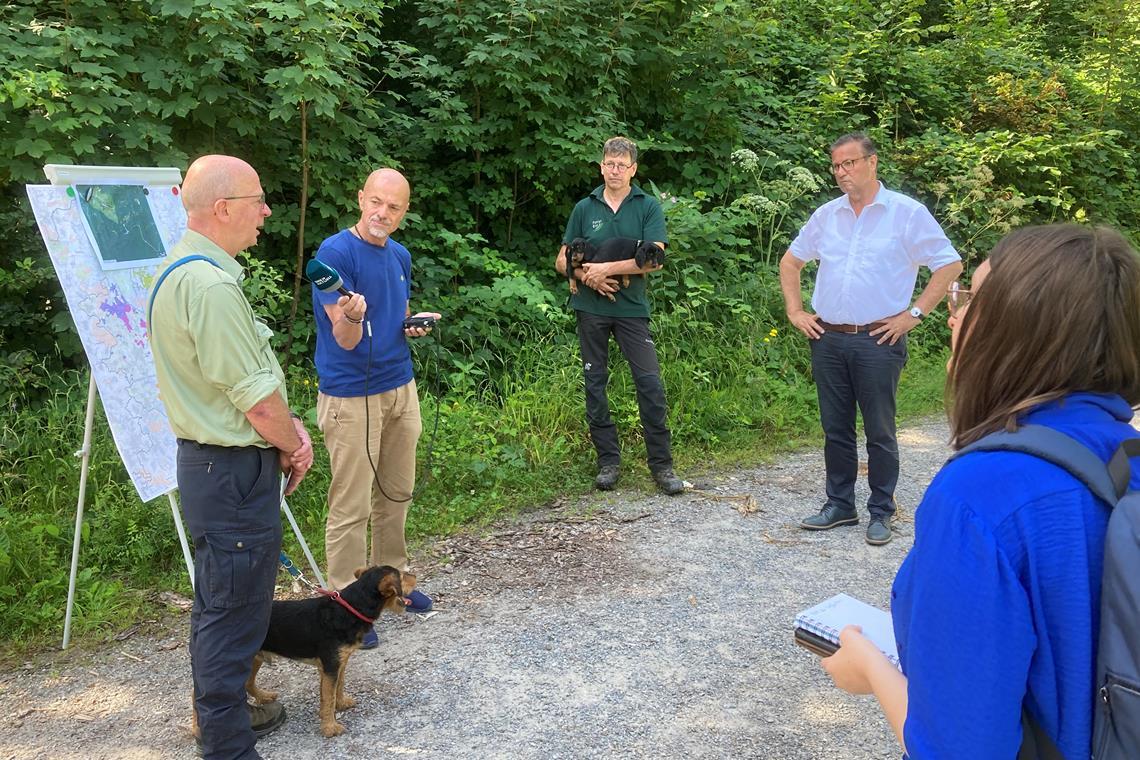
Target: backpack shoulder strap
x: 162, y: 277
x: 1067, y: 453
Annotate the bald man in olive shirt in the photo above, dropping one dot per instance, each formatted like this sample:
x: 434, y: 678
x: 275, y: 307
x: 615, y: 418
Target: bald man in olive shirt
x: 224, y: 394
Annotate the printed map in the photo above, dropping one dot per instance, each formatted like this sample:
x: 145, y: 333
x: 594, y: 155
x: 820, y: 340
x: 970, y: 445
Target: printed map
x: 109, y: 309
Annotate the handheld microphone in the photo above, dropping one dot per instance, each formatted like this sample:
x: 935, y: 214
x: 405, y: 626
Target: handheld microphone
x: 325, y: 277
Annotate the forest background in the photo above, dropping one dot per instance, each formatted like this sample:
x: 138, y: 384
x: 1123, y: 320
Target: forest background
x: 995, y: 113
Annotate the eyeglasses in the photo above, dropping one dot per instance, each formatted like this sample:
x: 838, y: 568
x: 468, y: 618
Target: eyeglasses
x: 614, y: 166
x: 260, y: 197
x: 848, y: 165
x: 958, y: 298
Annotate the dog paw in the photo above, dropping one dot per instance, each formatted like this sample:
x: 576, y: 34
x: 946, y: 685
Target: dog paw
x: 329, y: 730
x: 345, y: 703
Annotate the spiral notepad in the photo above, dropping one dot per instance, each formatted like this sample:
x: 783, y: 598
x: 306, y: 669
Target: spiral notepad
x: 828, y: 618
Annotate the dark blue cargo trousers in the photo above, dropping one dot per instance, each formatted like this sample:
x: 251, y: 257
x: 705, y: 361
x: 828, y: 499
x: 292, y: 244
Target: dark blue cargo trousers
x: 231, y: 502
x: 636, y: 344
x: 852, y: 369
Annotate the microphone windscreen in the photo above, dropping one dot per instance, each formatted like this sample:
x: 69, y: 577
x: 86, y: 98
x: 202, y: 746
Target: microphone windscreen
x: 323, y: 276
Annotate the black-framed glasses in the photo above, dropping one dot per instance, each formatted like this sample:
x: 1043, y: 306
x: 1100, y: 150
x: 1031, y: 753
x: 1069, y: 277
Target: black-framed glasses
x: 958, y: 298
x: 614, y: 166
x: 848, y: 165
x: 260, y: 197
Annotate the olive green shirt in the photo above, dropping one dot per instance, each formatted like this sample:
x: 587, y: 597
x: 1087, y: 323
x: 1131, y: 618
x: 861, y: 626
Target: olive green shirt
x: 211, y: 353
x: 639, y: 217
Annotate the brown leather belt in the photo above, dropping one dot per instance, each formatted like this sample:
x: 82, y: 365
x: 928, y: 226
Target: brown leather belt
x: 850, y: 328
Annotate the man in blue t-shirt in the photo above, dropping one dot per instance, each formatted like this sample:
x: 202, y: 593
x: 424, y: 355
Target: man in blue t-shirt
x: 367, y: 407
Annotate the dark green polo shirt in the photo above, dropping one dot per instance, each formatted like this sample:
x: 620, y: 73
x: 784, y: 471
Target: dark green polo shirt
x: 640, y: 217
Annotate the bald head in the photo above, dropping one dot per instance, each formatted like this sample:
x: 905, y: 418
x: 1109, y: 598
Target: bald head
x: 388, y: 179
x: 383, y: 202
x: 213, y: 177
x: 224, y: 201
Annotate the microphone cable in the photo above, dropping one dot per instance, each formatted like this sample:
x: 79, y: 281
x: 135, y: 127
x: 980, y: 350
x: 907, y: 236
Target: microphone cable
x: 367, y: 422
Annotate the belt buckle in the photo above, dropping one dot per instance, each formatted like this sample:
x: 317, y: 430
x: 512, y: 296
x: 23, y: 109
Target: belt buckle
x: 854, y: 330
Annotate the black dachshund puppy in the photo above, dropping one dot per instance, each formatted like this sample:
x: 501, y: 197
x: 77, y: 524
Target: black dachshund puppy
x: 582, y: 251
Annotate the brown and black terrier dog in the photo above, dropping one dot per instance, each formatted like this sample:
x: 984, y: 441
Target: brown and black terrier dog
x: 582, y: 251
x: 323, y: 632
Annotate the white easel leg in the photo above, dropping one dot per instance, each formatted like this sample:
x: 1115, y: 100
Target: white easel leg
x: 301, y: 538
x: 84, y: 455
x: 182, y: 538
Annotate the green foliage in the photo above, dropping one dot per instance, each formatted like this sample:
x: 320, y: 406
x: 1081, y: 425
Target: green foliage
x: 995, y: 113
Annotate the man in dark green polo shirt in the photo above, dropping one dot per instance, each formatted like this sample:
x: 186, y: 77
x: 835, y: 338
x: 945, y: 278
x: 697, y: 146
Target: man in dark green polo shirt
x: 618, y: 208
x: 224, y: 394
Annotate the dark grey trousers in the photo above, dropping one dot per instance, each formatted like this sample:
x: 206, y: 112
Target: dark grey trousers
x: 231, y: 501
x: 636, y: 344
x: 854, y: 370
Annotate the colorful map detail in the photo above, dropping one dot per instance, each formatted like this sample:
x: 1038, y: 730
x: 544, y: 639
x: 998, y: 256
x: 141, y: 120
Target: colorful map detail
x: 109, y: 309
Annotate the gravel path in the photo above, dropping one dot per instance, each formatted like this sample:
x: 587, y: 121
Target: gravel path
x: 621, y: 625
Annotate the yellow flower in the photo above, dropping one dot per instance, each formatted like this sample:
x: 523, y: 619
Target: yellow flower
x: 773, y: 332
x: 767, y: 340
x: 306, y: 381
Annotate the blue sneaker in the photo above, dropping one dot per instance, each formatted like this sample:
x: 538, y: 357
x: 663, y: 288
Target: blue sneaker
x: 418, y: 602
x: 370, y: 641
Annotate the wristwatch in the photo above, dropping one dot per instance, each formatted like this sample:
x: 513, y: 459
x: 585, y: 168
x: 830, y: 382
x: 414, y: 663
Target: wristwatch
x: 916, y: 312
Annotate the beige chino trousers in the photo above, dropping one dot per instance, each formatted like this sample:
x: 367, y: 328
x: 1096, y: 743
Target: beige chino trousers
x: 355, y: 500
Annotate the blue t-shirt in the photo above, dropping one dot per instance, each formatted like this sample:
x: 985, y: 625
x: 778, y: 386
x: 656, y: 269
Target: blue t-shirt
x: 383, y: 275
x: 998, y: 603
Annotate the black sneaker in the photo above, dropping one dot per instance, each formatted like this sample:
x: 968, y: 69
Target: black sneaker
x: 830, y: 517
x: 667, y: 482
x: 607, y: 477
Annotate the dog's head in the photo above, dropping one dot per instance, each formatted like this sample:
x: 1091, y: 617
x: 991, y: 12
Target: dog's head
x: 392, y: 585
x: 576, y: 252
x: 649, y: 252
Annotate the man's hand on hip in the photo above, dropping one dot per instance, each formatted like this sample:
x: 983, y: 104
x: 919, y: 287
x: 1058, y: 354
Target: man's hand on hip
x: 806, y: 323
x: 895, y: 327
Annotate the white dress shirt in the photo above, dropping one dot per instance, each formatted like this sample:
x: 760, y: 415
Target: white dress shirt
x: 868, y: 264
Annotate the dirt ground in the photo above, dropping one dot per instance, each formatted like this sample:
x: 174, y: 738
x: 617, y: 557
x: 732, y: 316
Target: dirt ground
x: 620, y: 625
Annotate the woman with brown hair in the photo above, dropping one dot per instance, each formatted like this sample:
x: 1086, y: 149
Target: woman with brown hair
x: 996, y: 608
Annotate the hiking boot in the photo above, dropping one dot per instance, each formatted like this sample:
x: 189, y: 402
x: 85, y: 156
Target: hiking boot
x: 878, y: 531
x: 667, y: 482
x: 263, y: 719
x: 370, y: 640
x: 830, y: 517
x: 608, y: 475
x: 267, y: 718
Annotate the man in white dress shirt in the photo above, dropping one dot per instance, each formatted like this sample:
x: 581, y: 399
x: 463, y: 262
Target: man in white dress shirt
x: 870, y: 243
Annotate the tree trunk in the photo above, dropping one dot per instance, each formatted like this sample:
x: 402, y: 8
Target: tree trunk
x: 304, y: 202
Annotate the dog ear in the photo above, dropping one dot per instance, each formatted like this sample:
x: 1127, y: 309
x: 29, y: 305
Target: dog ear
x: 359, y: 571
x: 390, y: 585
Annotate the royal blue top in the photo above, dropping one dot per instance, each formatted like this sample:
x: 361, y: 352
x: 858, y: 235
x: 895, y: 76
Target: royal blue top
x: 383, y: 275
x: 998, y: 603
